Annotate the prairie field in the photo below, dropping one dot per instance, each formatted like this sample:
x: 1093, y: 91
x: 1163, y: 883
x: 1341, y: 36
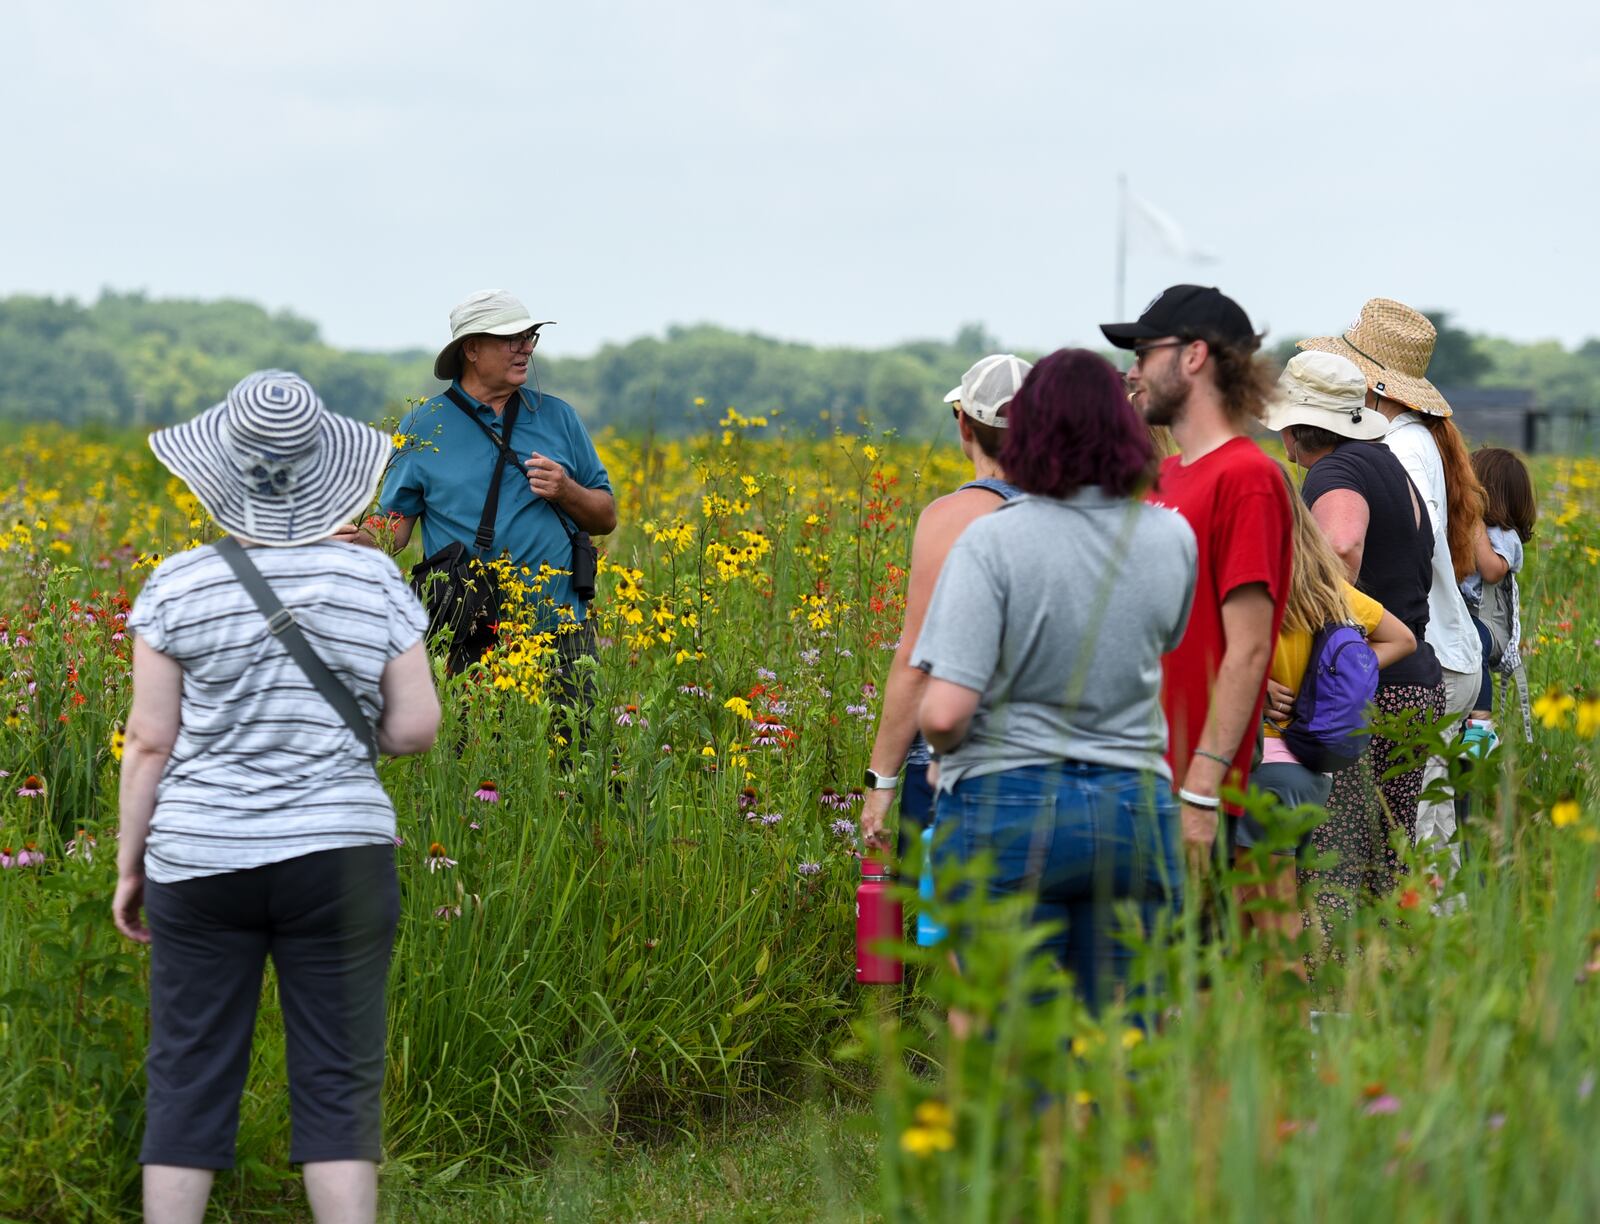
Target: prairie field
x: 612, y: 961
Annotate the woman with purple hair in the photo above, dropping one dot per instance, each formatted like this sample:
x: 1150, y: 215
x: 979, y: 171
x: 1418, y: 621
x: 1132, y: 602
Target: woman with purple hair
x: 1043, y: 647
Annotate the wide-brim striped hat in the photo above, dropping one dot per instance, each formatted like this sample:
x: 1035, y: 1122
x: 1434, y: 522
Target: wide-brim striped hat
x: 1391, y: 344
x: 271, y: 464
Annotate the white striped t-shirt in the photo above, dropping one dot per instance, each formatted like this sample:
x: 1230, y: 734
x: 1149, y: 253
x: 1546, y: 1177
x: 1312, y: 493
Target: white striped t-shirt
x: 264, y: 769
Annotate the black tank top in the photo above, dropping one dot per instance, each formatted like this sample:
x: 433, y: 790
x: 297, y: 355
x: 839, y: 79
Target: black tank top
x: 1397, y: 559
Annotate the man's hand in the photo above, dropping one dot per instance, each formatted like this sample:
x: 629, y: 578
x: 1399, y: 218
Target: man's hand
x: 547, y: 478
x: 349, y: 533
x: 1199, y: 827
x: 127, y: 906
x: 875, y: 819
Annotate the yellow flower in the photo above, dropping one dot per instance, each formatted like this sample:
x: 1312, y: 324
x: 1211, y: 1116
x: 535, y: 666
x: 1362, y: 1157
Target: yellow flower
x: 1131, y: 1037
x: 1083, y: 1098
x: 870, y: 453
x: 922, y: 1141
x: 1589, y: 716
x: 739, y: 706
x: 935, y: 1114
x: 1565, y: 813
x: 1553, y: 708
x: 117, y: 741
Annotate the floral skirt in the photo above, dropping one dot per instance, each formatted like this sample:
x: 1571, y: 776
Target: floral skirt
x: 1365, y: 812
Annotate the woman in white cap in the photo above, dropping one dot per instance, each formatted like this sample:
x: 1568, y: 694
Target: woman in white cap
x: 979, y: 405
x: 268, y: 671
x: 1374, y: 519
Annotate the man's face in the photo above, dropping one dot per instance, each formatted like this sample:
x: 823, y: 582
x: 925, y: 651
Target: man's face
x: 1157, y: 384
x: 500, y: 362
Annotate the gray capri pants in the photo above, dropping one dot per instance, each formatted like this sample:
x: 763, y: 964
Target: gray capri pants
x: 328, y: 921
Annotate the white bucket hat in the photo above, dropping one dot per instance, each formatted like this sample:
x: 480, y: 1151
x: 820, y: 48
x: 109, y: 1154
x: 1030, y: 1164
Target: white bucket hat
x: 1328, y: 391
x: 271, y: 464
x: 989, y: 386
x: 488, y: 312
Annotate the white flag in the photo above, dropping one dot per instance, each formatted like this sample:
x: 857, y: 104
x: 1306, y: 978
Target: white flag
x: 1172, y: 237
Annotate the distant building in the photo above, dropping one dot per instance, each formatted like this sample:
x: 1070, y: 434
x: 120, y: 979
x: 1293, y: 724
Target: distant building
x: 1511, y: 417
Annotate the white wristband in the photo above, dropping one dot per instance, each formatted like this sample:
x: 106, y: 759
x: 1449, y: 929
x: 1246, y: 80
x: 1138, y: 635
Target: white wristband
x: 1208, y: 803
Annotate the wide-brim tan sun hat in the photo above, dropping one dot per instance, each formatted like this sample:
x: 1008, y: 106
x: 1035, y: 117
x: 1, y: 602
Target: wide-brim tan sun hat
x: 1328, y: 391
x: 488, y: 312
x: 1391, y: 344
x: 274, y: 466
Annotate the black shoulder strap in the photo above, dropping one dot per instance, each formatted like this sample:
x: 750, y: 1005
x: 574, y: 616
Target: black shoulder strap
x: 483, y: 541
x: 507, y: 455
x: 281, y: 624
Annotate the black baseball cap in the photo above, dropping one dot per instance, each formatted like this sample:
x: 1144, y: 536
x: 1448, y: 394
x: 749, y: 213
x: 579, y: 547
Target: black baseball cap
x: 1190, y: 311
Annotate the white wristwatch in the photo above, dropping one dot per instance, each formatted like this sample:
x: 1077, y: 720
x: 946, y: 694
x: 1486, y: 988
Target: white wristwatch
x: 878, y: 781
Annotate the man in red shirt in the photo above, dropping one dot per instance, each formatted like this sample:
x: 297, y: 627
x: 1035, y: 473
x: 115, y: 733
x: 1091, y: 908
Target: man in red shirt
x: 1196, y: 370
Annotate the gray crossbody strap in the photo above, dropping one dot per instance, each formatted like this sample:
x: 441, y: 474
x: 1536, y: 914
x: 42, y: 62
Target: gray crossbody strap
x: 281, y: 624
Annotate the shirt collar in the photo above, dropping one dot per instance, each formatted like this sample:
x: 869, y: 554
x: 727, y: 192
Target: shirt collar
x: 1405, y: 418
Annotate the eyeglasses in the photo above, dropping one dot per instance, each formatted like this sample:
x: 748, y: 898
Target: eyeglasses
x: 528, y: 340
x: 1139, y: 350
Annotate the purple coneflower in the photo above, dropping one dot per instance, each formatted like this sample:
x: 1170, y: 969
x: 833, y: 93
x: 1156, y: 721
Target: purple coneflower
x: 1381, y: 1105
x: 31, y: 786
x: 437, y: 859
x: 747, y: 798
x: 487, y: 792
x: 831, y: 798
x: 82, y: 846
x: 692, y: 690
x: 7, y: 859
x: 627, y: 715
x: 447, y: 912
x: 30, y: 856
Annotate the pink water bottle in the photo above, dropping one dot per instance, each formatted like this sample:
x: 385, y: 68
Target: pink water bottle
x: 879, y: 922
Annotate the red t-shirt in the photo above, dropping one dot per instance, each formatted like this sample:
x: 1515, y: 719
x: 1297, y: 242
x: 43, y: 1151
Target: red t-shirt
x: 1237, y: 503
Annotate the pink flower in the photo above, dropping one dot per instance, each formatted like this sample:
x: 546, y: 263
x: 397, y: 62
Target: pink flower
x: 437, y: 859
x: 628, y: 715
x: 7, y: 859
x: 82, y: 846
x: 487, y: 792
x: 399, y: 841
x: 31, y: 786
x: 30, y: 856
x: 447, y: 912
x: 1382, y: 1105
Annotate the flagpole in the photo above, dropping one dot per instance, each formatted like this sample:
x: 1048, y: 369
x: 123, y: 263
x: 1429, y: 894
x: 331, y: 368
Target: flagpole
x: 1122, y: 247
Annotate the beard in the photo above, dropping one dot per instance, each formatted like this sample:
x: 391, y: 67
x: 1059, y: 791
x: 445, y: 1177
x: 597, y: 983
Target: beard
x: 1163, y: 398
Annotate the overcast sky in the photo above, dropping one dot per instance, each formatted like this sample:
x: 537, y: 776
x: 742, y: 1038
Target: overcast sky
x: 857, y: 172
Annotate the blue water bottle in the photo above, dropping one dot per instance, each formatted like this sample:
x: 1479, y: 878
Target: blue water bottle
x: 929, y: 932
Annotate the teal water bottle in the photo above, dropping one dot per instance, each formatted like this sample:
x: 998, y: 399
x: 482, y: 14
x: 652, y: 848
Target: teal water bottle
x: 929, y: 932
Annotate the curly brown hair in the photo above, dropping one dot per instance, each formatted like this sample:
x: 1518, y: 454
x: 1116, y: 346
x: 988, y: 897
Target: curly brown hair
x: 1244, y: 377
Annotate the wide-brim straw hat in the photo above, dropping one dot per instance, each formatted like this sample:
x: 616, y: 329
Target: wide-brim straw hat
x: 1328, y: 391
x: 272, y: 465
x: 1392, y: 345
x: 488, y: 312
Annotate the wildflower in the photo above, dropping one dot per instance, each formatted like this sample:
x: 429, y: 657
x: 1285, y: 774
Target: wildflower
x: 856, y: 795
x: 627, y: 715
x: 747, y: 798
x: 1553, y: 707
x: 931, y: 1132
x: 768, y: 819
x: 1495, y: 1121
x: 739, y: 706
x: 399, y: 841
x: 437, y: 859
x: 1565, y: 813
x: 862, y: 712
x: 692, y: 690
x: 7, y: 859
x: 1131, y: 1037
x: 810, y: 869
x: 830, y: 798
x: 1380, y: 1106
x: 118, y: 742
x: 1589, y: 716
x: 843, y: 827
x: 487, y: 792
x: 1410, y: 899
x: 935, y: 1114
x: 447, y: 912
x: 31, y: 786
x: 811, y: 657
x: 766, y: 673
x: 82, y: 846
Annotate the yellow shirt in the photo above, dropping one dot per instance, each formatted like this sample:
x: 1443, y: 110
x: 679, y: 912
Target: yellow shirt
x: 1292, y: 655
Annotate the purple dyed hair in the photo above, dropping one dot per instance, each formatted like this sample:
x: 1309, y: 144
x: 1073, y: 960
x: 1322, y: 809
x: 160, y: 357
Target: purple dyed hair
x: 1070, y: 425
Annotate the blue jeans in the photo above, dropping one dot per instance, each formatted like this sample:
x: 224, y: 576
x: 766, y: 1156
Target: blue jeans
x: 1084, y: 840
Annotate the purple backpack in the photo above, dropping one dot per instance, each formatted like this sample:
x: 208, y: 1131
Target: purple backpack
x: 1327, y: 727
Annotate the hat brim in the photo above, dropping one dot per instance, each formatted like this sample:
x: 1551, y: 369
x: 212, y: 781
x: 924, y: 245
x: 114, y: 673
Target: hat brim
x: 336, y: 484
x: 1126, y: 335
x: 954, y: 397
x: 447, y: 365
x: 1281, y: 414
x: 1418, y: 394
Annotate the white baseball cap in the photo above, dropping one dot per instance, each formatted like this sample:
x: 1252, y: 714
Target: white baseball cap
x: 988, y: 386
x: 488, y: 312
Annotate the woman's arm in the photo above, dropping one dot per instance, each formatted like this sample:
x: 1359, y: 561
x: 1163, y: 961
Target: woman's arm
x: 152, y: 730
x: 1343, y: 515
x: 947, y: 710
x: 1391, y: 641
x: 410, y: 719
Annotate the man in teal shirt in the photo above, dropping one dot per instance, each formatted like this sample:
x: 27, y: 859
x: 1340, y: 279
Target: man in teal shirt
x: 442, y: 475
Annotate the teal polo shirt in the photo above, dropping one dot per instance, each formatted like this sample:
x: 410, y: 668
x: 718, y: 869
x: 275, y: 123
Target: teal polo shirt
x: 442, y: 477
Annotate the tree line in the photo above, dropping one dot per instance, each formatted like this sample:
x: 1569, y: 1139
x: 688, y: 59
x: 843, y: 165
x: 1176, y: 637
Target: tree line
x: 129, y: 360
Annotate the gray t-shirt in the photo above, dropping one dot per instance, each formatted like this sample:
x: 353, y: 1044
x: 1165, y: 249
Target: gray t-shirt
x: 1509, y: 545
x: 1058, y: 613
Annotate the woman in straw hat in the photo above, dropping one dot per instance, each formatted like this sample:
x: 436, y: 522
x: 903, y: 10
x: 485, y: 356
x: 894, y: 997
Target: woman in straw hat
x: 1373, y: 519
x: 1391, y: 344
x: 253, y: 822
